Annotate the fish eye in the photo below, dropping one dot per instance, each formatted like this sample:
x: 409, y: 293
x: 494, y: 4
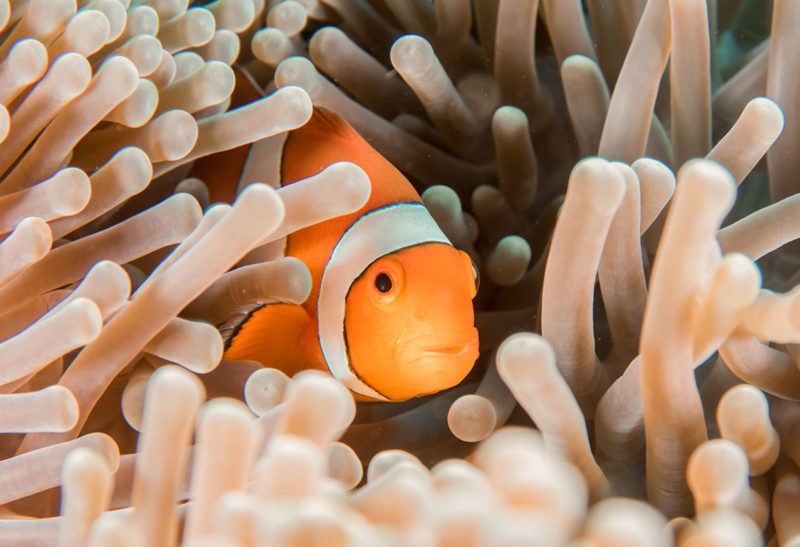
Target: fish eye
x: 383, y: 282
x: 476, y: 276
x: 471, y: 269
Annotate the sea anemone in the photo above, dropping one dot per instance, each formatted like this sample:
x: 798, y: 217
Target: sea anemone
x: 601, y: 162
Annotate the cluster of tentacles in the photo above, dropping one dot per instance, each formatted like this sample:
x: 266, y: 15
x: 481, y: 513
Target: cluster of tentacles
x: 637, y: 315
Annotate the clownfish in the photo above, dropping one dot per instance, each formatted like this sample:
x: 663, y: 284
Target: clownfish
x: 390, y: 311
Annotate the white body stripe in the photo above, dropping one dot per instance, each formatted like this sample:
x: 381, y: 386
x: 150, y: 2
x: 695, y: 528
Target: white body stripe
x: 375, y: 234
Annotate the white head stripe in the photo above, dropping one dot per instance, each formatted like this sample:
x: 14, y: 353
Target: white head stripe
x: 375, y: 234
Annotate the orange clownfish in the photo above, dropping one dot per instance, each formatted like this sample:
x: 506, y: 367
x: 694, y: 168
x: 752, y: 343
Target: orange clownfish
x: 390, y: 310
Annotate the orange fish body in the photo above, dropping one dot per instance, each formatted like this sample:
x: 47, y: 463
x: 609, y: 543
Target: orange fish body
x: 390, y: 310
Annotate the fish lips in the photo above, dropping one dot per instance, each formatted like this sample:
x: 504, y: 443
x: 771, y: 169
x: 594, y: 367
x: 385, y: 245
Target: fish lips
x: 459, y: 345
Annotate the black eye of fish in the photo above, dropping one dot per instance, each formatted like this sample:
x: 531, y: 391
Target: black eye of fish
x: 383, y: 283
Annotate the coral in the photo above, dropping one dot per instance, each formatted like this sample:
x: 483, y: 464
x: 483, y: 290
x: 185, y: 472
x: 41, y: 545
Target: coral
x: 622, y: 174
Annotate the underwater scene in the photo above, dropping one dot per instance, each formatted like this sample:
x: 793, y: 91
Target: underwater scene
x: 438, y: 273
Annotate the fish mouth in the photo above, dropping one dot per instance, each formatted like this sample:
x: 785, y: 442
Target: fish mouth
x: 447, y: 345
x: 454, y: 349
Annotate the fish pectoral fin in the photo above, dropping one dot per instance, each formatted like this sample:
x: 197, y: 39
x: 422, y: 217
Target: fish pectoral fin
x: 273, y: 334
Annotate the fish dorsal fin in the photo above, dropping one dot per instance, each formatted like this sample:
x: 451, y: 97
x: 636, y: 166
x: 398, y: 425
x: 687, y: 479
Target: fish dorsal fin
x: 272, y: 334
x: 325, y: 123
x: 327, y: 138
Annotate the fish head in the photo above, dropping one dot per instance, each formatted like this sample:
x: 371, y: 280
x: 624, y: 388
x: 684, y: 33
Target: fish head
x: 409, y: 322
